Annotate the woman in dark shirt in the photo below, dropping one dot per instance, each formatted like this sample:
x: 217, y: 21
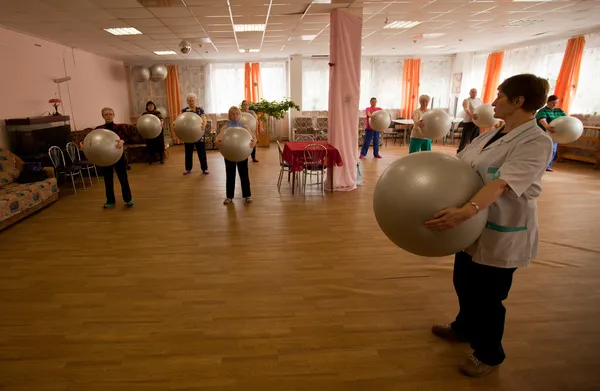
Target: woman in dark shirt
x: 156, y: 146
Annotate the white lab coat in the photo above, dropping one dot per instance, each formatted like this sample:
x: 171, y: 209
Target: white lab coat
x: 510, y: 238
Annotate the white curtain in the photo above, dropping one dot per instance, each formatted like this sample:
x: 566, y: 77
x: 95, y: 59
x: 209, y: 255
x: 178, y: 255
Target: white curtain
x: 587, y: 99
x: 224, y: 87
x: 273, y: 80
x: 315, y: 84
x: 192, y: 80
x: 436, y: 79
x: 477, y: 73
x: 381, y: 78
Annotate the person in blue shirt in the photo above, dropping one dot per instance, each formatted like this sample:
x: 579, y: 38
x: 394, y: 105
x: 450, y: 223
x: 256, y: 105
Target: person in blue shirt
x: 230, y: 167
x: 200, y: 144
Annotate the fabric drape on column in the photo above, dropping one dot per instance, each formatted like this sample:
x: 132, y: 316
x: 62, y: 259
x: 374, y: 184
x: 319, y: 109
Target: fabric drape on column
x: 252, y: 90
x: 173, y: 97
x: 566, y: 83
x: 411, y: 79
x: 491, y: 80
x: 344, y: 93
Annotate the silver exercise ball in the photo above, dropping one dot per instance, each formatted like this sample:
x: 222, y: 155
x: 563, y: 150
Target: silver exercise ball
x: 189, y: 127
x: 437, y: 124
x: 100, y: 147
x: 158, y: 72
x: 140, y: 74
x: 235, y: 144
x: 568, y: 129
x: 149, y: 126
x: 249, y: 120
x: 381, y: 120
x: 485, y: 116
x: 415, y: 187
x: 163, y: 111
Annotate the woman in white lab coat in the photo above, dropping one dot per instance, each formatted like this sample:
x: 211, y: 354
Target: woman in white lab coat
x: 511, y: 161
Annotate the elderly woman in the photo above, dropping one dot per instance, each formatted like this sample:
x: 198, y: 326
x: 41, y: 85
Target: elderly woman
x: 511, y: 161
x: 246, y: 109
x: 418, y: 142
x: 155, y: 146
x: 200, y: 145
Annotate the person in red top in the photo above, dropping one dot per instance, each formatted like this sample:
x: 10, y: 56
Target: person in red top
x: 370, y: 134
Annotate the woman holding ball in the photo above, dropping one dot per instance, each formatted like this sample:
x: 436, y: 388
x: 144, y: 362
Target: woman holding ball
x: 418, y: 142
x: 200, y: 144
x: 511, y: 161
x: 370, y: 134
x: 230, y: 167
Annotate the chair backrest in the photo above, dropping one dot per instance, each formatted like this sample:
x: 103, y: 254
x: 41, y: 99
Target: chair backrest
x: 57, y: 157
x: 305, y: 137
x: 73, y: 152
x: 315, y: 154
x: 280, y: 152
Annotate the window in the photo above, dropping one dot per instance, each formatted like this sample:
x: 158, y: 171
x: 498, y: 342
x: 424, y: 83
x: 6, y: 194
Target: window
x: 273, y: 81
x: 224, y: 87
x: 315, y: 84
x: 436, y: 78
x: 587, y: 99
x: 381, y: 78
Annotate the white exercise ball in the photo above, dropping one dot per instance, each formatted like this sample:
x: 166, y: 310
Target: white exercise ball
x: 149, y: 126
x: 417, y: 186
x: 100, y: 147
x: 249, y: 120
x: 163, y: 111
x: 235, y: 144
x: 437, y: 124
x: 568, y: 129
x: 189, y: 127
x: 140, y: 74
x: 380, y: 120
x: 485, y: 116
x: 158, y: 72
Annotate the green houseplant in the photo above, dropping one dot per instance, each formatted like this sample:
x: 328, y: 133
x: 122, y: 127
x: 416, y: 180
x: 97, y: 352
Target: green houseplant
x: 267, y: 112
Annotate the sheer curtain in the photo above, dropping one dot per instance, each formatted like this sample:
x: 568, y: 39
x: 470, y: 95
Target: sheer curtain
x: 587, y: 99
x: 274, y: 80
x: 381, y: 78
x: 224, y: 86
x: 436, y: 79
x: 315, y: 84
x: 477, y: 73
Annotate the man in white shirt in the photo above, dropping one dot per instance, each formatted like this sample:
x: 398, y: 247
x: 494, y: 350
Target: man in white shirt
x: 470, y: 130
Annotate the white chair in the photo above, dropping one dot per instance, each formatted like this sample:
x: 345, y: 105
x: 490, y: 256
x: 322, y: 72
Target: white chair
x: 314, y: 164
x: 283, y: 167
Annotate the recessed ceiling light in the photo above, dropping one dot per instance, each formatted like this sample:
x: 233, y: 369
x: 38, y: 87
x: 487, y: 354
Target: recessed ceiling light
x: 123, y: 31
x: 243, y: 28
x: 164, y: 52
x: 308, y: 37
x: 401, y: 24
x: 249, y: 50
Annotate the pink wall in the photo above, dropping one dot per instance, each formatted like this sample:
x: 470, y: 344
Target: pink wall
x: 28, y: 67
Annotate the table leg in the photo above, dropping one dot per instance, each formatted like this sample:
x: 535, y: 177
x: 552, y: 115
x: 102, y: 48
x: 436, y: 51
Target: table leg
x: 331, y: 179
x: 293, y: 181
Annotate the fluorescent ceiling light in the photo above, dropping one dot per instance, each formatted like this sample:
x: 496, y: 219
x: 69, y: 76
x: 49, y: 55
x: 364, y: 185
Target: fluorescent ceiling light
x: 249, y: 50
x: 522, y: 22
x: 164, y: 52
x: 308, y: 37
x: 123, y: 31
x: 433, y: 35
x: 321, y: 2
x: 531, y: 1
x: 243, y: 28
x: 435, y: 46
x: 401, y: 24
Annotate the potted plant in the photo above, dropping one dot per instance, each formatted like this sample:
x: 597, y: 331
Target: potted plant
x: 267, y: 113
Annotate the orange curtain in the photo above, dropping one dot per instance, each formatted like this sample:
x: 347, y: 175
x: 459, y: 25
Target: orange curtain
x: 252, y: 92
x: 568, y: 77
x: 173, y: 97
x: 411, y: 79
x: 491, y: 80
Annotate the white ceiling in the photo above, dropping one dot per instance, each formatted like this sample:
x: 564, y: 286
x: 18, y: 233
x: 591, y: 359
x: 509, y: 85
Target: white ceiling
x: 467, y: 25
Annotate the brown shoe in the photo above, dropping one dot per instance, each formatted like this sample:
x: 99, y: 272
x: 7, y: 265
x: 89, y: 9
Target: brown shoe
x: 446, y: 332
x: 472, y: 367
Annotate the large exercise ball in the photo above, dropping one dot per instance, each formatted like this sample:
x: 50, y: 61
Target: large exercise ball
x: 100, y: 147
x: 415, y: 187
x: 380, y: 121
x: 485, y: 116
x: 158, y: 72
x: 163, y: 111
x: 140, y: 74
x: 437, y: 124
x: 149, y: 126
x: 235, y: 144
x: 189, y: 127
x: 568, y: 129
x: 249, y: 120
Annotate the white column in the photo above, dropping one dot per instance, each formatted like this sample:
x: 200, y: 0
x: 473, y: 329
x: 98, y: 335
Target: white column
x: 295, y: 87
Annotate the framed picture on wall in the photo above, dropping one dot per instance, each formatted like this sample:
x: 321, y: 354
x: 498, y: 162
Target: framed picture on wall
x: 456, y: 82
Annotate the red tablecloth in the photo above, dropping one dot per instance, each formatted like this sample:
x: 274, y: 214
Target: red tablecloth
x: 293, y: 153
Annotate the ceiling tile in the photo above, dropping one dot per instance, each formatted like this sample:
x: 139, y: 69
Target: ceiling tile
x: 110, y: 4
x: 174, y: 12
x: 176, y: 23
x: 140, y: 23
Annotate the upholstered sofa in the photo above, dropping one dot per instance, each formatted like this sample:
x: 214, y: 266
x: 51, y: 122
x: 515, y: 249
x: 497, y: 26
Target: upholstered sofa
x: 135, y: 145
x: 317, y: 126
x: 19, y: 200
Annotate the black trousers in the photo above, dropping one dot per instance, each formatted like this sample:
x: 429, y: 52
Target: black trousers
x: 156, y: 146
x: 107, y: 172
x: 481, y: 290
x: 253, y: 154
x: 469, y: 133
x: 242, y: 169
x: 189, y: 155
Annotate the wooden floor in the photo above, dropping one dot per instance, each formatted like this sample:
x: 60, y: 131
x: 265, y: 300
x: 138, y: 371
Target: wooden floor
x: 291, y: 293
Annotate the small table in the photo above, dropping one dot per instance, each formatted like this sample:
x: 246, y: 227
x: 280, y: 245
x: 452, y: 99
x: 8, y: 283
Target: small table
x: 293, y: 153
